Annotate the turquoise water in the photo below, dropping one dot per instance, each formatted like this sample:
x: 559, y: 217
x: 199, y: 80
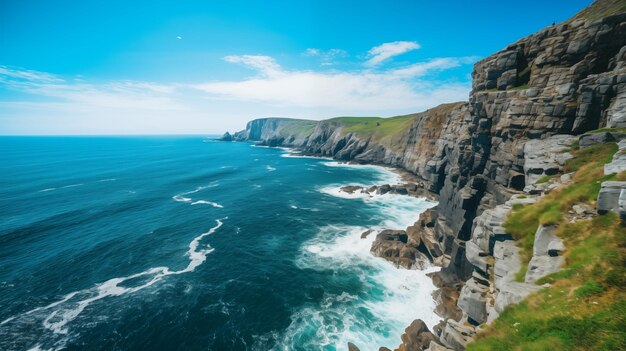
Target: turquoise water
x: 181, y: 243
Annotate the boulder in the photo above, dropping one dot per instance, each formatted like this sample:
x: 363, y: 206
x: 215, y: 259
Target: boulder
x: 608, y: 196
x: 473, y: 300
x: 383, y: 189
x: 455, y: 335
x: 587, y: 140
x: 366, y: 233
x: 546, y: 254
x: 352, y: 347
x: 544, y: 236
x: 416, y: 337
x: 393, y: 246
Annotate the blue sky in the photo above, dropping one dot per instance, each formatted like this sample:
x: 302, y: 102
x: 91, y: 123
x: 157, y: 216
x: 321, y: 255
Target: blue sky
x: 156, y: 67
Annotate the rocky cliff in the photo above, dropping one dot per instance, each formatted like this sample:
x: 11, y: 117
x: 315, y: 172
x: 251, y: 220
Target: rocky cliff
x: 566, y: 79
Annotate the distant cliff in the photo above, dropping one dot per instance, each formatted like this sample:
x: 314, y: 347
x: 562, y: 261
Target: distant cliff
x: 568, y: 78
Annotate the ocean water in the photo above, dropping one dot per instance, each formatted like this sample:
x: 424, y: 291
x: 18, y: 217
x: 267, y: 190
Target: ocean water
x: 182, y: 243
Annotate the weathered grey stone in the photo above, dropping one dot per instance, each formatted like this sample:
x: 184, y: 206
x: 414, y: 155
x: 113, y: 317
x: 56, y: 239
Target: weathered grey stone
x: 618, y: 164
x: 556, y: 248
x: 456, y: 335
x: 473, y: 300
x: 512, y: 293
x: 622, y: 205
x: 587, y: 140
x: 616, y: 112
x: 546, y: 156
x: 609, y: 195
x: 540, y: 266
x: 437, y: 347
x: 546, y: 254
x: 544, y: 236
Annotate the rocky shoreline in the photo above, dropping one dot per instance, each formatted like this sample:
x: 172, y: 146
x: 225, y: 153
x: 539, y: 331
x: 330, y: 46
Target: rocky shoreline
x: 530, y: 103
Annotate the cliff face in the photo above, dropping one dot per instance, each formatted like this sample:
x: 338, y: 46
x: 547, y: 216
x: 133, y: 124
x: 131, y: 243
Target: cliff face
x: 566, y: 79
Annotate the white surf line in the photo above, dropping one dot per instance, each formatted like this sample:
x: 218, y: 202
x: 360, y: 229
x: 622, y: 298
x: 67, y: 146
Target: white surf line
x: 57, y: 319
x: 61, y: 187
x: 182, y: 198
x: 75, y: 185
x: 205, y: 202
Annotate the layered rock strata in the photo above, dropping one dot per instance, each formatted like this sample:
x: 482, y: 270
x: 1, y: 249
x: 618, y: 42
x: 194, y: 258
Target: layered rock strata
x: 566, y: 79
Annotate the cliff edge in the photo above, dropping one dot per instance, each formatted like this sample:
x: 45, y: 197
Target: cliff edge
x: 483, y: 158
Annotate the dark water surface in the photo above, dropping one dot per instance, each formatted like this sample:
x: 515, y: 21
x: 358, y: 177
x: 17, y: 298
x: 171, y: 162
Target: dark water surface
x: 178, y: 243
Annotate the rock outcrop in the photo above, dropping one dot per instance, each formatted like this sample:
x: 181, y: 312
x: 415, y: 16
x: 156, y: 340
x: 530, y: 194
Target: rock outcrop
x: 526, y: 101
x: 610, y: 195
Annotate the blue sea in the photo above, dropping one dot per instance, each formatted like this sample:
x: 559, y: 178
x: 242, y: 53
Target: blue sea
x: 185, y: 243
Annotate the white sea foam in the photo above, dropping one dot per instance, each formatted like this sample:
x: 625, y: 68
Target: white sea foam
x: 71, y: 186
x: 57, y: 315
x: 270, y: 168
x: 107, y: 180
x: 204, y: 202
x: 182, y: 198
x: 383, y: 174
x: 297, y: 155
x: 61, y: 187
x: 393, y: 297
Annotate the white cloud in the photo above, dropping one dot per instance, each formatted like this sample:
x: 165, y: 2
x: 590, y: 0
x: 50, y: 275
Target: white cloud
x: 385, y: 51
x: 327, y: 57
x: 344, y: 91
x: 311, y: 52
x: 264, y: 64
x: 48, y: 103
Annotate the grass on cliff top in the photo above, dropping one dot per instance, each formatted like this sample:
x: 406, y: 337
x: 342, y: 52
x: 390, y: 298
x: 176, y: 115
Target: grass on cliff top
x: 388, y: 131
x: 602, y: 130
x: 601, y: 8
x: 297, y: 127
x: 585, y: 306
x: 376, y: 126
x: 588, y: 164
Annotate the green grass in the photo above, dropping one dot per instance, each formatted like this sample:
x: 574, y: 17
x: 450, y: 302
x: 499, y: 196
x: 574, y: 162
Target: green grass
x: 585, y: 306
x: 589, y: 288
x: 544, y: 179
x: 376, y: 125
x: 588, y: 164
x: 390, y: 132
x: 297, y: 127
x: 601, y: 8
x: 612, y: 130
